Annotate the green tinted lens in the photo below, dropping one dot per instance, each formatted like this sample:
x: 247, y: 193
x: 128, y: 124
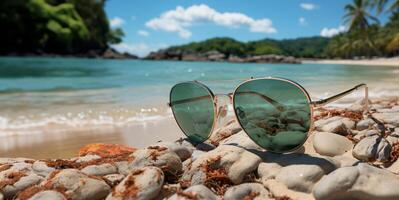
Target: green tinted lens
x: 192, y: 106
x: 274, y: 113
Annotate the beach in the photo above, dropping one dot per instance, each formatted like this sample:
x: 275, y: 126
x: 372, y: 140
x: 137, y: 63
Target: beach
x: 394, y: 62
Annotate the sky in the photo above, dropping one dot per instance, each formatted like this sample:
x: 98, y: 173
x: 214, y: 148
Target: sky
x: 150, y: 25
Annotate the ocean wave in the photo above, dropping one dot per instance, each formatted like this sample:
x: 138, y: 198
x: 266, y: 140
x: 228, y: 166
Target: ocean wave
x: 65, y: 122
x: 54, y: 89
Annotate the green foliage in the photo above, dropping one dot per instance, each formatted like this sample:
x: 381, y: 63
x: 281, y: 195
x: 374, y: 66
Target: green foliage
x: 55, y: 26
x: 302, y: 47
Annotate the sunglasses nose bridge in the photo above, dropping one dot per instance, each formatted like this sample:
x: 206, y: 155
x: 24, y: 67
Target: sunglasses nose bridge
x: 222, y: 104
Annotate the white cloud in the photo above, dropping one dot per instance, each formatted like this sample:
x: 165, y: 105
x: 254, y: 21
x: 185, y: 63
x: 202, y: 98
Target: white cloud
x: 140, y: 49
x: 143, y: 33
x: 308, y: 6
x: 329, y: 32
x: 116, y: 22
x: 302, y: 21
x: 180, y: 19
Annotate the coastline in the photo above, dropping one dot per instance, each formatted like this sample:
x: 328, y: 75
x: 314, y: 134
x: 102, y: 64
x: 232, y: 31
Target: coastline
x: 393, y: 62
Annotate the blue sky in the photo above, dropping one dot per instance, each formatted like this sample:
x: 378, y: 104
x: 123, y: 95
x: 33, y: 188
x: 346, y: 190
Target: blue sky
x: 150, y: 25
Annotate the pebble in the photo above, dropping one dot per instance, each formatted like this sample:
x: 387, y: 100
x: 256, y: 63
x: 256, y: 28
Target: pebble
x: 337, y: 124
x: 331, y: 144
x: 140, y: 184
x: 300, y: 177
x: 372, y: 148
x: 48, y: 195
x: 17, y: 178
x: 359, y: 182
x: 224, y: 132
x: 157, y: 156
x: 197, y: 192
x: 182, y: 148
x: 254, y: 191
x: 234, y: 161
x: 364, y: 124
x: 388, y: 118
x: 268, y: 170
x: 365, y: 133
x: 241, y: 139
x: 77, y: 184
x: 100, y: 170
x: 113, y: 179
x: 41, y: 168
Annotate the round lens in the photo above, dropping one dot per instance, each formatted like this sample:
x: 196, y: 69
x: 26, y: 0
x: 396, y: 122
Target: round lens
x: 275, y: 113
x: 193, y: 108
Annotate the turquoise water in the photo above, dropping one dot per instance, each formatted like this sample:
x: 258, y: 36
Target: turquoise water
x: 41, y: 91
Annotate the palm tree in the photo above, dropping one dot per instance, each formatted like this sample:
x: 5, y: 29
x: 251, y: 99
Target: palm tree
x: 357, y: 16
x: 393, y: 5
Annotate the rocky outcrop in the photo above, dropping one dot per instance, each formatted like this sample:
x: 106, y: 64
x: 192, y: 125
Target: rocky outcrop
x: 214, y: 55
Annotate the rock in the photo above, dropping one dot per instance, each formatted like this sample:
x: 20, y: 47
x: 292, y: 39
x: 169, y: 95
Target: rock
x: 157, y: 156
x: 86, y: 158
x: 141, y: 183
x: 337, y: 124
x: 279, y: 191
x: 17, y: 177
x: 241, y: 139
x: 226, y: 160
x: 4, y: 161
x: 255, y: 191
x: 358, y: 106
x: 359, y: 182
x: 100, y: 170
x: 1, y: 196
x: 388, y: 118
x: 372, y: 148
x: 105, y: 150
x: 77, y: 184
x: 328, y: 164
x: 45, y: 195
x: 300, y: 177
x: 331, y: 144
x: 197, y: 192
x: 111, y: 53
x: 364, y: 124
x: 182, y: 148
x: 224, y: 132
x: 365, y: 133
x: 268, y: 170
x: 393, y: 138
x: 113, y: 179
x: 41, y: 168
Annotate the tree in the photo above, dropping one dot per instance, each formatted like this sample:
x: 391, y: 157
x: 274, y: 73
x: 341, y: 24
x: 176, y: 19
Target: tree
x: 357, y: 16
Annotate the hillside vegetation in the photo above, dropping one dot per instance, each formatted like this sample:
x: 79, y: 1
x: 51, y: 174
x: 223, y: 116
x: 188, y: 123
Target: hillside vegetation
x: 55, y: 26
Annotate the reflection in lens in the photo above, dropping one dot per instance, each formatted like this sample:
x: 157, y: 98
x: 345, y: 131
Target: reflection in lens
x: 274, y: 113
x: 192, y: 106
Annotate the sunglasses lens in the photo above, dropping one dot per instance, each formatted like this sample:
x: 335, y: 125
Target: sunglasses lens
x: 274, y: 113
x: 192, y: 106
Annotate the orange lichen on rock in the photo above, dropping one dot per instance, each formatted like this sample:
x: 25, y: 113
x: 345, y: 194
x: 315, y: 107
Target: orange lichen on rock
x: 5, y: 167
x: 106, y: 150
x: 327, y: 113
x: 216, y: 176
x: 12, y: 178
x: 251, y: 196
x: 187, y: 195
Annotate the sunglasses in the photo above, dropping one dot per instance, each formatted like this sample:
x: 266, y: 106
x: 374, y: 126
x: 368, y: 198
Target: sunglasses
x: 276, y: 113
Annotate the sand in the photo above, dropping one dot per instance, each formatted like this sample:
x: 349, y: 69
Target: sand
x: 394, y: 62
x: 65, y: 145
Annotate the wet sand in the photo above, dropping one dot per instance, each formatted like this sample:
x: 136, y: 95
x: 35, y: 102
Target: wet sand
x: 67, y: 144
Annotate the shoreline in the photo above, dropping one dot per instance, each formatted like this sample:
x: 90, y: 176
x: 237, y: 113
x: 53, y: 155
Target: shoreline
x: 393, y: 62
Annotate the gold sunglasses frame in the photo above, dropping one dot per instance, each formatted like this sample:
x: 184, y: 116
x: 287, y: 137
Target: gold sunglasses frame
x: 312, y: 104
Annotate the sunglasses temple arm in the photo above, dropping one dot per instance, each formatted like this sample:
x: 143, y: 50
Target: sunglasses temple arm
x: 342, y: 94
